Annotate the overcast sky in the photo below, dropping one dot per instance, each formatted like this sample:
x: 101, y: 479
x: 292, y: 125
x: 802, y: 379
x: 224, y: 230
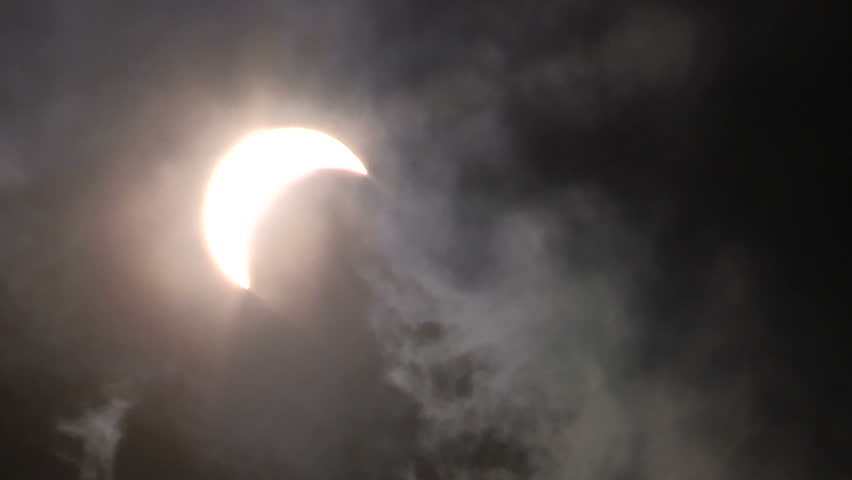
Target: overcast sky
x: 601, y: 241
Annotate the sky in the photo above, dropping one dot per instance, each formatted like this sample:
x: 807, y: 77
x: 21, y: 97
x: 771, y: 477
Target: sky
x: 599, y: 240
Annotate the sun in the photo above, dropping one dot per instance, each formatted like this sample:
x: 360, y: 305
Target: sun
x: 247, y: 180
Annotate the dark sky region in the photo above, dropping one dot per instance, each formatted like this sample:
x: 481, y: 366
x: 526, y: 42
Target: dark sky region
x: 602, y: 240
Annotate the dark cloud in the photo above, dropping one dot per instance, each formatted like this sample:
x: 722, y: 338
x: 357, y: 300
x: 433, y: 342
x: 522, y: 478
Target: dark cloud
x: 580, y: 254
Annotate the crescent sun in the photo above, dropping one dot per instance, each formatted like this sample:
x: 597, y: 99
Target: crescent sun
x: 247, y: 180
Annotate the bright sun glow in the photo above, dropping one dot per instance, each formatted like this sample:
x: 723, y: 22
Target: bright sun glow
x: 248, y: 179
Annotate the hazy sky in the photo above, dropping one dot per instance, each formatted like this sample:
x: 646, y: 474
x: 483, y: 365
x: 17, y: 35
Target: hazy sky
x: 602, y: 241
